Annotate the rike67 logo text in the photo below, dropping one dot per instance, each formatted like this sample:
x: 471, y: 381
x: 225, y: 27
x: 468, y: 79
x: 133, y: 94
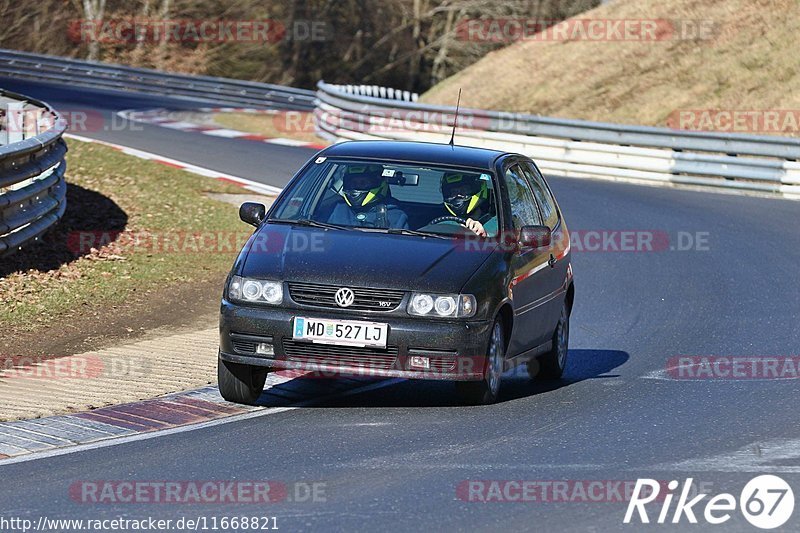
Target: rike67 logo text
x: 766, y: 502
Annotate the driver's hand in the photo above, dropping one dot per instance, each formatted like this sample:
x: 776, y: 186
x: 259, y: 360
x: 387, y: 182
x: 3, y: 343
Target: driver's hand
x: 476, y: 226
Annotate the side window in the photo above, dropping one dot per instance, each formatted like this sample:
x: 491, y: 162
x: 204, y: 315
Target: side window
x: 523, y: 207
x: 543, y: 196
x: 304, y: 195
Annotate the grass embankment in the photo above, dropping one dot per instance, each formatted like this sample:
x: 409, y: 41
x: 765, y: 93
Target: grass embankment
x: 62, y: 282
x: 750, y: 61
x: 284, y: 124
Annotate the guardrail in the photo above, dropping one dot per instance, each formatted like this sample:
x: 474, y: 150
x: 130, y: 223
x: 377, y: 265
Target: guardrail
x: 575, y: 148
x: 32, y: 166
x: 217, y: 91
x: 379, y: 92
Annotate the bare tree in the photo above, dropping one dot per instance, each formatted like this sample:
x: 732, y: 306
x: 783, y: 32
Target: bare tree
x: 94, y: 11
x: 407, y: 44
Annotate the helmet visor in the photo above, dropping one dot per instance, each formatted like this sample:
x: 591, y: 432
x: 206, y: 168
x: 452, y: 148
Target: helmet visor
x: 363, y: 185
x: 462, y: 192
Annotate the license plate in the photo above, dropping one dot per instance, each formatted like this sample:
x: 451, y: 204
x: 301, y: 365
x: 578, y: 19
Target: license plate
x: 341, y: 332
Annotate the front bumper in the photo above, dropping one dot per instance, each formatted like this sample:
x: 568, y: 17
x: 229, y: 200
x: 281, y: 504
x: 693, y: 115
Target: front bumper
x: 456, y: 350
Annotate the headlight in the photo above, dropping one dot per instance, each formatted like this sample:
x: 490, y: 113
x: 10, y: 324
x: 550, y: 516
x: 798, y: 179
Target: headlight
x: 442, y: 305
x: 255, y: 290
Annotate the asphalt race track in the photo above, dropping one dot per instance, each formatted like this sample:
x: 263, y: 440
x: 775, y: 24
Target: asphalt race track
x: 394, y: 458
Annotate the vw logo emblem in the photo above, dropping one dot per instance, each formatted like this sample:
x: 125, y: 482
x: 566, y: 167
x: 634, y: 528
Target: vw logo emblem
x: 345, y: 297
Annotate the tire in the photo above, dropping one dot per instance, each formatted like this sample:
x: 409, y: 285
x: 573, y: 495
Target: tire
x: 240, y: 383
x: 486, y: 391
x: 551, y: 365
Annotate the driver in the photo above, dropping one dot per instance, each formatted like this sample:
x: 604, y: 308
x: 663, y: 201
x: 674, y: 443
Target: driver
x: 367, y: 200
x: 466, y: 196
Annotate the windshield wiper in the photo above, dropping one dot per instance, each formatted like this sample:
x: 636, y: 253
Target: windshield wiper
x: 399, y: 231
x: 307, y: 222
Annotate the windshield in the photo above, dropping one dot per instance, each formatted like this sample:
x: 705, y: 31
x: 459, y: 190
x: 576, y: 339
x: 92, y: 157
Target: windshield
x: 387, y: 196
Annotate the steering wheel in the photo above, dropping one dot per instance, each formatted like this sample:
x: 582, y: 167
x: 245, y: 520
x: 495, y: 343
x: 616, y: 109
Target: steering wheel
x: 439, y: 220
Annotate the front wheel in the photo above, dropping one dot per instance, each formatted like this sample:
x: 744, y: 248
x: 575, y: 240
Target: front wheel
x: 551, y: 365
x: 240, y: 383
x: 485, y: 392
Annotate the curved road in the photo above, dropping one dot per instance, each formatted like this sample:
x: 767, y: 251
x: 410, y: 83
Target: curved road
x: 392, y: 459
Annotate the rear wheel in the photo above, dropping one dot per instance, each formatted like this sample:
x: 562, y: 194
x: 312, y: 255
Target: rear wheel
x: 240, y: 383
x: 485, y: 392
x: 552, y: 364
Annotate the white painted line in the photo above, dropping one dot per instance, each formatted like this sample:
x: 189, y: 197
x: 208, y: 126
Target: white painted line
x: 663, y: 374
x: 660, y: 374
x: 287, y: 142
x: 229, y: 134
x: 177, y: 125
x: 251, y: 185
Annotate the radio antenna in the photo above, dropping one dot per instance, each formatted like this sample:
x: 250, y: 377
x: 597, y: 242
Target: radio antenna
x: 455, y: 122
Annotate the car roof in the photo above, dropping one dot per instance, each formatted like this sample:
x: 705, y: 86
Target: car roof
x: 416, y: 152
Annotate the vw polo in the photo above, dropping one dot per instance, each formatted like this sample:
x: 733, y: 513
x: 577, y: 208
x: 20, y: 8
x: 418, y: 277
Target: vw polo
x: 401, y: 259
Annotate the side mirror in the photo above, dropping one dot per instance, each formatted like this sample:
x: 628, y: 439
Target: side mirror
x: 533, y: 237
x: 252, y: 213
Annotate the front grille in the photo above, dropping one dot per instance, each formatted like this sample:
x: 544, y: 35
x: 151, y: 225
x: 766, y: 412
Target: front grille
x: 352, y: 356
x: 321, y: 295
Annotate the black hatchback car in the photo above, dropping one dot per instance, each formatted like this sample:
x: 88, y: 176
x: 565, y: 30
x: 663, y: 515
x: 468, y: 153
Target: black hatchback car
x: 401, y: 259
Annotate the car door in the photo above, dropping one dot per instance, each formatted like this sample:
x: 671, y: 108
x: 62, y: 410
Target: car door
x: 527, y: 290
x: 552, y: 279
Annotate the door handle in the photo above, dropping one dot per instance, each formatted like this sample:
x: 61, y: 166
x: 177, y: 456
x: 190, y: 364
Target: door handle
x: 552, y: 261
